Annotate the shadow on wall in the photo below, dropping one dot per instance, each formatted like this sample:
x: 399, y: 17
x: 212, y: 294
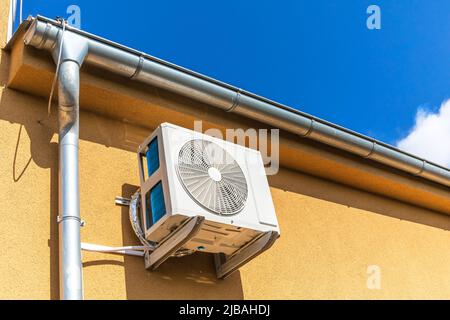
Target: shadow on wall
x: 192, y: 278
x: 15, y: 108
x: 169, y: 281
x: 195, y: 272
x: 305, y: 184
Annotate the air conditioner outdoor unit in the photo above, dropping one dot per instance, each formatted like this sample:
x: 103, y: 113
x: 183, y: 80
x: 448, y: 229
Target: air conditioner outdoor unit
x: 200, y: 193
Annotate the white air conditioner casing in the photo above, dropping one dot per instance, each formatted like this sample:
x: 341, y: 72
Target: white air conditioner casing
x: 243, y: 210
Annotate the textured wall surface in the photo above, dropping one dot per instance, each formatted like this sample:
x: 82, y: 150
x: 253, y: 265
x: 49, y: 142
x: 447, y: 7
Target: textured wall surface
x: 330, y: 233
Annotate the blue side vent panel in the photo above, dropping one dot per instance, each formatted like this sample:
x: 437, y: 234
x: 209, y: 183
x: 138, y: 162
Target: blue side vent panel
x: 155, y: 205
x: 152, y: 157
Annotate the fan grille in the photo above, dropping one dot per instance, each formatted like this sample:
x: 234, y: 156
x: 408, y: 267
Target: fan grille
x: 212, y: 177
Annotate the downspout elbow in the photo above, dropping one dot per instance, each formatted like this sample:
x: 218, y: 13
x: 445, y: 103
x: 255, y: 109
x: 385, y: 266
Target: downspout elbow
x: 68, y: 95
x: 69, y: 53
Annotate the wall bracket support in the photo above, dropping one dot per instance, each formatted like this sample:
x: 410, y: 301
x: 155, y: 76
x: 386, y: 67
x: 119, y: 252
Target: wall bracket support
x: 227, y: 265
x: 173, y: 242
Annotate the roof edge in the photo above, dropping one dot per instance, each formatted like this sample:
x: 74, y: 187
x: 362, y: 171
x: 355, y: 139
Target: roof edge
x: 145, y: 68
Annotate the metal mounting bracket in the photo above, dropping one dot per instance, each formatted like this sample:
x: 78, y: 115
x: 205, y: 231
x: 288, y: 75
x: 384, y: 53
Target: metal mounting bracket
x: 227, y: 265
x: 179, y: 237
x: 121, y: 201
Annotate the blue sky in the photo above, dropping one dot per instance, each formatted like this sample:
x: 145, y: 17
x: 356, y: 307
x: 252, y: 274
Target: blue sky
x: 317, y: 56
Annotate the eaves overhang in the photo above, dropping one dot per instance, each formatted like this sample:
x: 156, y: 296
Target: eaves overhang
x: 309, y: 144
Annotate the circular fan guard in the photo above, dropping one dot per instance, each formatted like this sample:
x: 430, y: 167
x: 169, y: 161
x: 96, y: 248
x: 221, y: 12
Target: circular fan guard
x: 212, y: 177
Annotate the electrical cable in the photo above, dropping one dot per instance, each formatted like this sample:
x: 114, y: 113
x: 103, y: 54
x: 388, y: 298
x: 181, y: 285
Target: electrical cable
x: 58, y: 63
x: 129, y: 250
x: 136, y: 225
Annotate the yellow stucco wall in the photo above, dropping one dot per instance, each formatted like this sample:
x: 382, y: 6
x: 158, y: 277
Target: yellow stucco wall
x: 331, y: 233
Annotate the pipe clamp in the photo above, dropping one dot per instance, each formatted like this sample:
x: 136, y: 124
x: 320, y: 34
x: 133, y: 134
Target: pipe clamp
x: 60, y: 219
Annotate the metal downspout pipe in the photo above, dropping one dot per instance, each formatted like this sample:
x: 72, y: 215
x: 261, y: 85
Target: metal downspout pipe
x: 71, y: 278
x: 71, y: 286
x: 73, y: 51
